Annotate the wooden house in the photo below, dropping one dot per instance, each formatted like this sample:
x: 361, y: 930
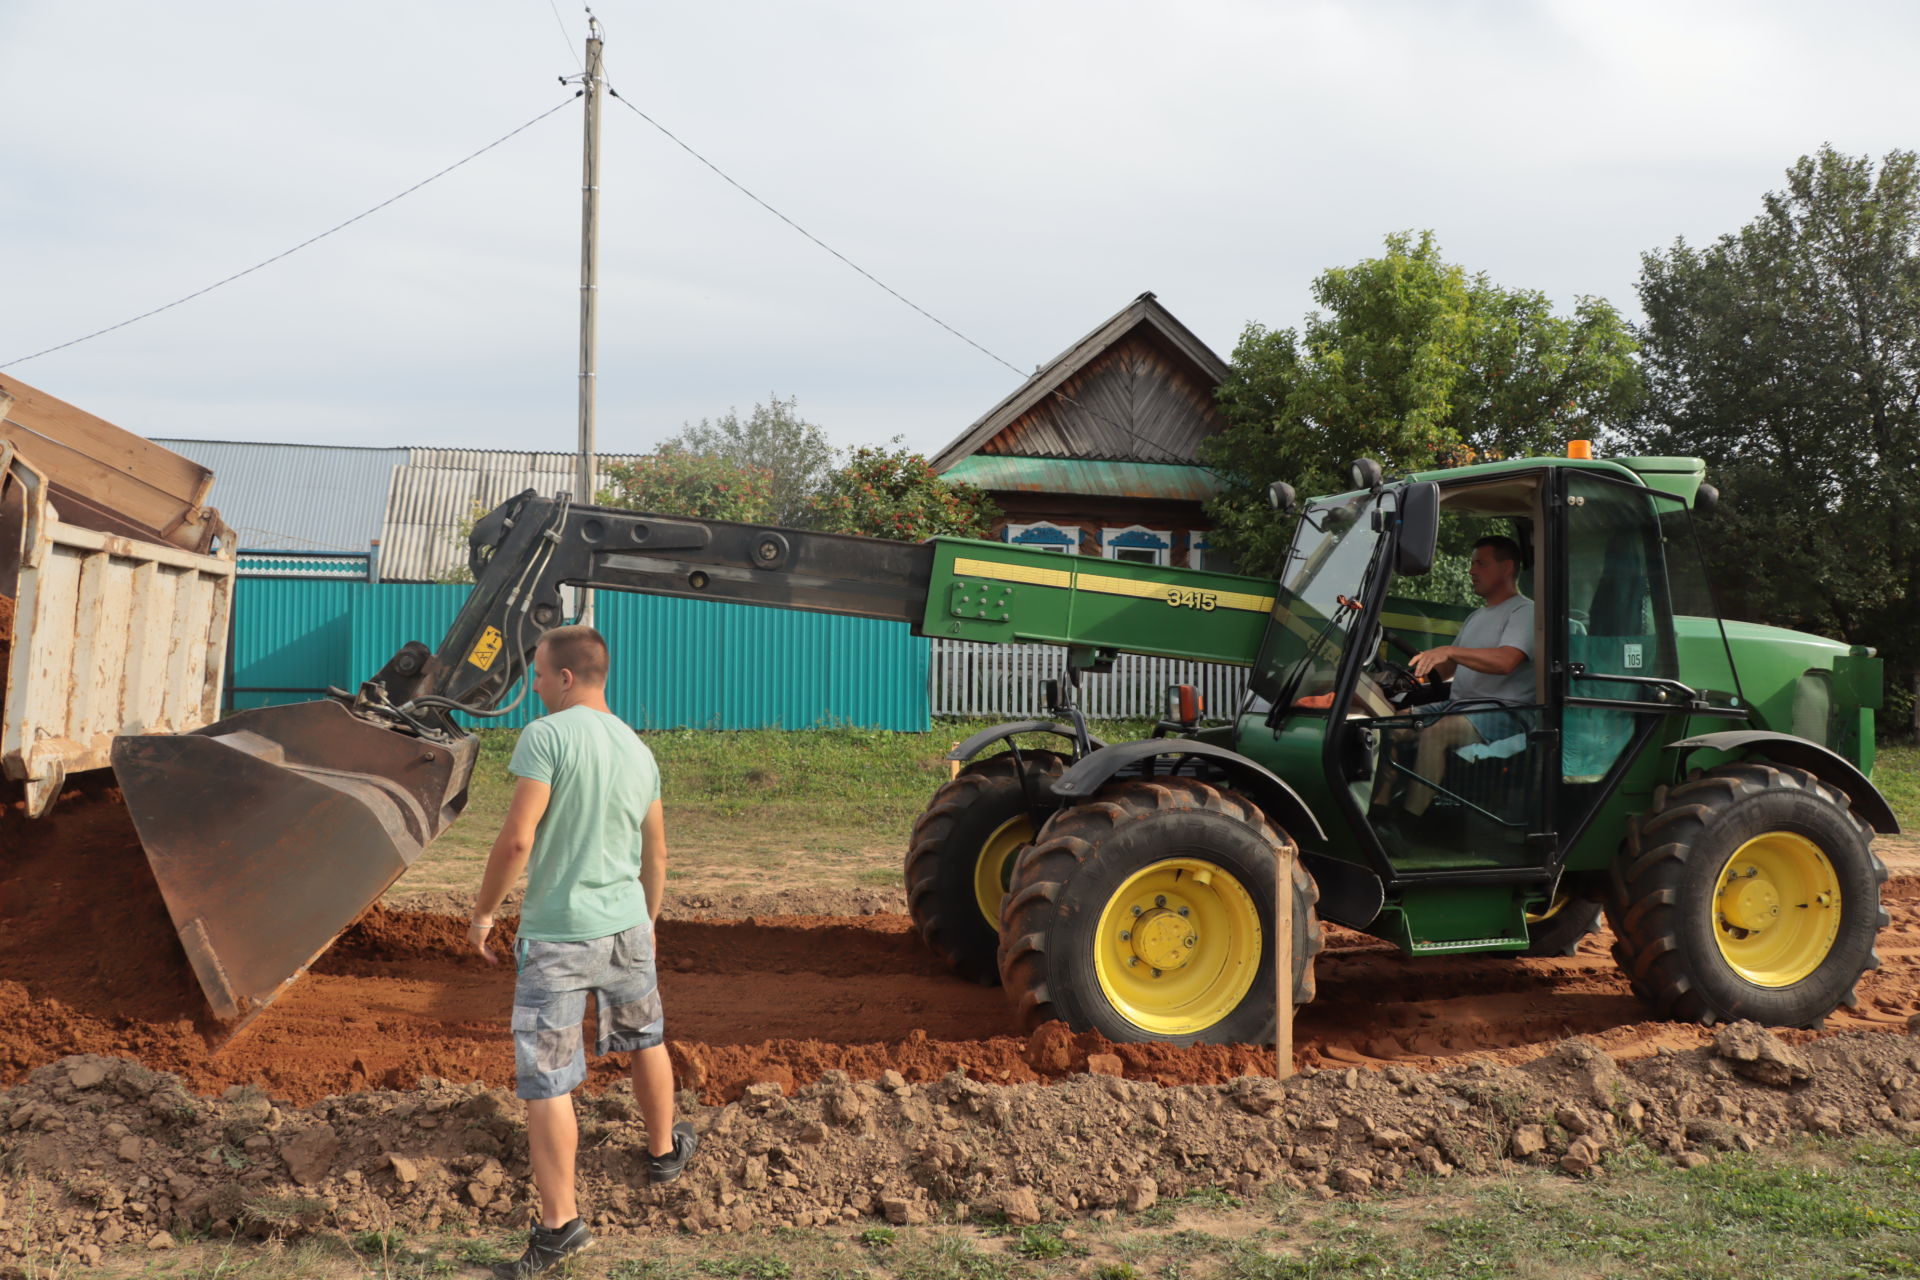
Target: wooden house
x: 1097, y: 453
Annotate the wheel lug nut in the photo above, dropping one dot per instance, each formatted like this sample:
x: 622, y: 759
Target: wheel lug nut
x: 1156, y: 973
x: 1159, y: 899
x: 1126, y: 935
x: 1192, y: 939
x: 1133, y: 961
x: 1183, y: 911
x: 1136, y: 911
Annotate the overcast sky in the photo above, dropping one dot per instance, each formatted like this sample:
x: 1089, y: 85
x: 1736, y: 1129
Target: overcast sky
x: 1020, y: 170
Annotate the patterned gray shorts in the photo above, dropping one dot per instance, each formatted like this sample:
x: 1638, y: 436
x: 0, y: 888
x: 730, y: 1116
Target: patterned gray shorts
x: 550, y: 1004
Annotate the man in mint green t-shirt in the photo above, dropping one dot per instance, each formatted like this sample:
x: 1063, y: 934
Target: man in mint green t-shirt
x: 587, y: 826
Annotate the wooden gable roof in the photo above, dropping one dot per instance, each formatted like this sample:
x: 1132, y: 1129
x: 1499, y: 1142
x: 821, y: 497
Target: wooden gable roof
x: 1137, y: 389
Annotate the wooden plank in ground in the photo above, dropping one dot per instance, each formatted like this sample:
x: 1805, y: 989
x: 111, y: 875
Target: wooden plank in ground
x: 121, y: 482
x: 1283, y: 959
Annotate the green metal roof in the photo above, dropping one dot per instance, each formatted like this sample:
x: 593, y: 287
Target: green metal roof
x: 1090, y: 479
x: 1676, y: 477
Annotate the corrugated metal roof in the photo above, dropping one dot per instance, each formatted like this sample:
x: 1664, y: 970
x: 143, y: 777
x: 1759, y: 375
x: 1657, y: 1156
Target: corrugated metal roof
x: 1091, y: 479
x: 296, y: 496
x: 434, y: 490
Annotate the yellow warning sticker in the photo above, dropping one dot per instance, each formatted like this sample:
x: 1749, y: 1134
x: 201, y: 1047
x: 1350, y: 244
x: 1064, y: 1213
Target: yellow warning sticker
x: 491, y: 642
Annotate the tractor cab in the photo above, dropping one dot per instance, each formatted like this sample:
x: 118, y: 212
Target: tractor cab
x: 1439, y: 778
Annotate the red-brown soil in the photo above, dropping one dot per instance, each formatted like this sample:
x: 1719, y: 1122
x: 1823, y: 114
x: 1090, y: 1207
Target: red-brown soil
x: 89, y: 964
x: 839, y: 1074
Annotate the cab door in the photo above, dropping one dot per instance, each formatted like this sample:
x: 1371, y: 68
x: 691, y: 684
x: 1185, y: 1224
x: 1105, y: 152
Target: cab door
x: 1488, y: 802
x: 1636, y: 607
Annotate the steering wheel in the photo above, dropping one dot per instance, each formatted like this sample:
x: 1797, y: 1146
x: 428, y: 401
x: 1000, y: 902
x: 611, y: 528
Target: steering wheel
x: 1396, y: 682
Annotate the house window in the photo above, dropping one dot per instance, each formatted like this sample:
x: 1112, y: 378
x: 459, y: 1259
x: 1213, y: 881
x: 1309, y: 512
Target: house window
x: 1202, y: 554
x: 1136, y: 543
x: 1044, y: 537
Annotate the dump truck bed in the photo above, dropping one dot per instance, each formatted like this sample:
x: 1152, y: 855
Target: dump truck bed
x: 116, y: 583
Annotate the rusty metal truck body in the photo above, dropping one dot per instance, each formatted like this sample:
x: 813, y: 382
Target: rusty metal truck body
x: 116, y: 583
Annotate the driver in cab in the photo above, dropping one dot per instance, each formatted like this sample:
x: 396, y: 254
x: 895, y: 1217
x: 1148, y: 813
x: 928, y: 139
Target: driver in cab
x: 1490, y: 665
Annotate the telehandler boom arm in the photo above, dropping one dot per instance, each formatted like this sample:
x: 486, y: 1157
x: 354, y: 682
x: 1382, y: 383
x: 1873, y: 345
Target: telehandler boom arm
x: 525, y: 550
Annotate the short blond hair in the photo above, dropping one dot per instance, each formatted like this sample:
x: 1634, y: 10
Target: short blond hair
x: 579, y: 649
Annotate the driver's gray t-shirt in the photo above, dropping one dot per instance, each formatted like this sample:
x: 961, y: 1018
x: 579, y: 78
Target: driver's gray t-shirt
x: 1493, y: 626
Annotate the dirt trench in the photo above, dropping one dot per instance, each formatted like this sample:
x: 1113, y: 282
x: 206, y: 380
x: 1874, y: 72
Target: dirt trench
x: 89, y: 964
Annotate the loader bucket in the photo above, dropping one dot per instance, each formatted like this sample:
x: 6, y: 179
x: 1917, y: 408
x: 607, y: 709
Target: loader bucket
x: 272, y: 830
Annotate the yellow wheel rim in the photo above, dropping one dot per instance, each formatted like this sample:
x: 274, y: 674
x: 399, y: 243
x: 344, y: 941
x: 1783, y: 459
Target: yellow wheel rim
x: 1178, y: 946
x: 1776, y: 909
x: 994, y: 867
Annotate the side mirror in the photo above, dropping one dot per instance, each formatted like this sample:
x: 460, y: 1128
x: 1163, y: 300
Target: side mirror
x: 1281, y: 498
x: 1419, y: 517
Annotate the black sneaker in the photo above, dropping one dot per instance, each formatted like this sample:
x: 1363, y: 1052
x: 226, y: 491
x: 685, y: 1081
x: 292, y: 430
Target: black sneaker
x: 546, y: 1247
x: 667, y: 1167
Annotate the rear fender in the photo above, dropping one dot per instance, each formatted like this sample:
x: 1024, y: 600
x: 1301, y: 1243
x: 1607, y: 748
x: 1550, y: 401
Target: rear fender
x: 1001, y: 732
x: 1800, y: 753
x: 1280, y: 802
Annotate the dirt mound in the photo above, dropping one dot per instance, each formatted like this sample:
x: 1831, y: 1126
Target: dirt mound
x: 85, y: 938
x: 121, y: 1154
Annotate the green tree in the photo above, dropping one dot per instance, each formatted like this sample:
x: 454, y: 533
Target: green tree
x: 893, y: 493
x: 674, y: 482
x: 1417, y: 364
x: 1787, y: 356
x: 774, y: 438
x: 457, y: 570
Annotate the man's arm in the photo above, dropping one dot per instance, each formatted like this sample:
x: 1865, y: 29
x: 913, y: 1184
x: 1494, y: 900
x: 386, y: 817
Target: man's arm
x: 1448, y: 658
x: 653, y: 858
x: 508, y: 859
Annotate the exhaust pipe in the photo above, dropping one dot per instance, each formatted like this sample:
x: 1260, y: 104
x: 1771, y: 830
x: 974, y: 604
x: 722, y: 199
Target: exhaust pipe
x: 271, y: 831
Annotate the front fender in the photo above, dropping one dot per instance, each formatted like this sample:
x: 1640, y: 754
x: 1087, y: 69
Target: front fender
x: 1265, y: 788
x: 1826, y: 765
x: 987, y: 737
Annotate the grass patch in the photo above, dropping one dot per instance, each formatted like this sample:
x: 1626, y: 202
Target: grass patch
x: 647, y: 1269
x: 1045, y: 1243
x: 1896, y: 771
x: 949, y: 1256
x: 478, y: 1253
x: 1210, y: 1199
x: 753, y: 1266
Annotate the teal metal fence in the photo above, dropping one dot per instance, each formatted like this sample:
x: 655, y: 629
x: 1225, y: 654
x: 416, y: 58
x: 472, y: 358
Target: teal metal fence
x: 676, y: 663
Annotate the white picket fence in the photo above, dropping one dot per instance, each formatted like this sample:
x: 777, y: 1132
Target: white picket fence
x: 1004, y: 680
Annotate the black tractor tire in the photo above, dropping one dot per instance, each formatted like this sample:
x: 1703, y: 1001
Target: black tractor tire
x: 1671, y: 927
x: 1560, y: 933
x: 949, y: 838
x: 1089, y: 853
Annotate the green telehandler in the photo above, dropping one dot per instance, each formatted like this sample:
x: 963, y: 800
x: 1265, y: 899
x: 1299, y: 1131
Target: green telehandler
x: 1705, y: 783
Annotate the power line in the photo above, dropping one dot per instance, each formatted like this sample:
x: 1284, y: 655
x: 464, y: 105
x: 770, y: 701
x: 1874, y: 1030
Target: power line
x: 991, y: 355
x: 728, y: 179
x: 562, y: 22
x: 296, y: 248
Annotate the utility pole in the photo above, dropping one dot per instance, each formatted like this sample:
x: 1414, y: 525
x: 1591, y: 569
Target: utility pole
x: 595, y: 83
